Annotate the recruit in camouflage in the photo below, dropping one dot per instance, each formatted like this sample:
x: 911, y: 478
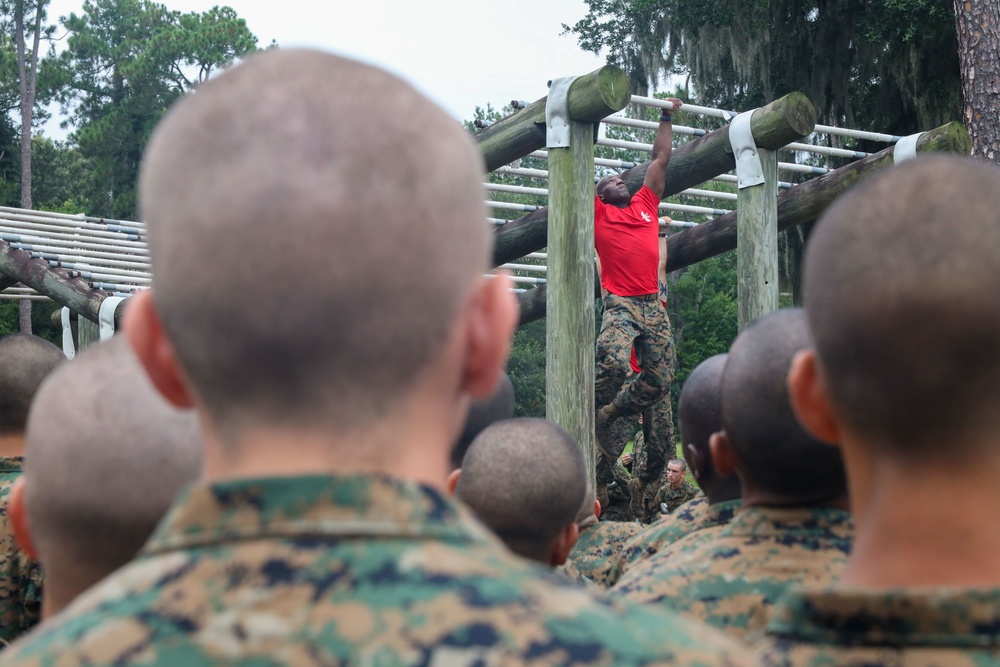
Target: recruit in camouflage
x: 692, y: 516
x: 733, y: 579
x: 319, y: 570
x: 674, y: 498
x: 921, y: 627
x: 597, y: 546
x: 20, y: 576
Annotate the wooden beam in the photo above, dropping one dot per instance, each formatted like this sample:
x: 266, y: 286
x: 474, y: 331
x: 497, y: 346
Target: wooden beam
x: 807, y: 201
x: 593, y: 97
x: 6, y: 281
x: 74, y: 293
x: 797, y: 205
x: 779, y: 123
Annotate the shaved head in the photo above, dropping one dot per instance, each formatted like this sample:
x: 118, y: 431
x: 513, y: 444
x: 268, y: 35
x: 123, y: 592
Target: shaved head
x: 25, y: 361
x: 105, y: 457
x: 901, y: 278
x: 293, y: 204
x: 496, y: 407
x: 525, y: 479
x: 700, y: 413
x: 773, y: 449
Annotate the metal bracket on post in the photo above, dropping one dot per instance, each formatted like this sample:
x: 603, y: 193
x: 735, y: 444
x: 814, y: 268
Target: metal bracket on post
x: 557, y: 113
x: 906, y: 148
x: 106, y: 316
x: 69, y: 347
x: 748, y: 169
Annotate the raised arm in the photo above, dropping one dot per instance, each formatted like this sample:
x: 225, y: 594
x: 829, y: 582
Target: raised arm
x: 662, y: 145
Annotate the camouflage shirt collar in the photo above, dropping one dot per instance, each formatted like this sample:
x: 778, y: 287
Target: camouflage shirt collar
x: 928, y: 617
x: 11, y: 463
x: 758, y: 521
x: 312, y: 506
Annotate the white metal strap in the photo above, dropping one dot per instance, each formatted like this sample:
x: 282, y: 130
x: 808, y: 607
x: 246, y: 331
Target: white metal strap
x: 106, y: 316
x: 69, y: 348
x: 906, y: 148
x: 748, y: 169
x: 557, y: 113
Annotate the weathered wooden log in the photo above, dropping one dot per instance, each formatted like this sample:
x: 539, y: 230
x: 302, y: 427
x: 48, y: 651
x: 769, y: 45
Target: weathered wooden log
x: 593, y: 97
x: 74, y: 293
x: 779, y: 123
x: 804, y: 202
x: 6, y: 281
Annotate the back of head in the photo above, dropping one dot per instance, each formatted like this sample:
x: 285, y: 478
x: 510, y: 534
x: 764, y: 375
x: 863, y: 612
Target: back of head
x: 525, y: 479
x: 773, y: 449
x: 496, y: 407
x: 700, y: 414
x: 105, y: 457
x: 25, y: 361
x: 315, y: 225
x: 901, y: 279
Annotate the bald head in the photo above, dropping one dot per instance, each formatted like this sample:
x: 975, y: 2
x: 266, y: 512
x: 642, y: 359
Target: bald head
x: 901, y: 279
x: 525, y: 479
x: 496, y: 407
x: 700, y: 412
x: 773, y: 449
x: 315, y: 226
x: 105, y: 457
x: 25, y: 361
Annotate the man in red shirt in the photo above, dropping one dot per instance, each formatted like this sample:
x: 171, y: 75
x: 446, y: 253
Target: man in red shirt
x: 626, y: 233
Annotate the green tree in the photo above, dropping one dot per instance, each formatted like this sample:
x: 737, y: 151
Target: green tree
x: 126, y: 61
x: 889, y: 66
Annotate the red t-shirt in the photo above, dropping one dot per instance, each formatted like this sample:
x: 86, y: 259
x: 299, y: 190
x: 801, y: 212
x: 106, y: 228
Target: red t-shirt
x: 627, y: 243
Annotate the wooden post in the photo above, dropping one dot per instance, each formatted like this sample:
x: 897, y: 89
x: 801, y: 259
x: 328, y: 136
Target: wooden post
x: 88, y: 333
x: 757, y: 243
x: 569, y: 356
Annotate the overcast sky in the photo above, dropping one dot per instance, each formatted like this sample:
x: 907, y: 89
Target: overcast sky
x: 461, y: 54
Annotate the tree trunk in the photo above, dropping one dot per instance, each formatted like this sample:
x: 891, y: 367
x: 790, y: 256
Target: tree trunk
x: 27, y: 72
x: 978, y: 23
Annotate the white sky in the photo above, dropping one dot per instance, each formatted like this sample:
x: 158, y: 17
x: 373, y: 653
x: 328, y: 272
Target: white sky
x: 461, y: 54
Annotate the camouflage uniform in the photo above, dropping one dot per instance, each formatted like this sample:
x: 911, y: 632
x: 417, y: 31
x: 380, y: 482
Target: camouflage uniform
x: 597, y: 545
x: 319, y: 570
x: 911, y: 627
x: 693, y: 516
x: 20, y: 576
x: 731, y: 580
x: 674, y: 498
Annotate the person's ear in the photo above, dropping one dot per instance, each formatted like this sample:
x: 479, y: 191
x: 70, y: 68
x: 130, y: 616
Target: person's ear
x: 564, y: 544
x: 723, y: 457
x: 144, y: 332
x: 19, y: 519
x: 452, y: 482
x: 809, y: 398
x: 491, y: 318
x: 696, y: 462
x: 597, y: 508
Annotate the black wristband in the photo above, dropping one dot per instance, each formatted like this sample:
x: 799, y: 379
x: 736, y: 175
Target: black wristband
x: 666, y: 118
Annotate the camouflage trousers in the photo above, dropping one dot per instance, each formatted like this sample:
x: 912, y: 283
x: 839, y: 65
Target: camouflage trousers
x: 628, y: 322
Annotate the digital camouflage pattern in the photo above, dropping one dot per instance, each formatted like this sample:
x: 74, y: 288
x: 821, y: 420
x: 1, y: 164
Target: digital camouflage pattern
x: 597, y: 545
x: 897, y: 627
x: 318, y: 570
x: 692, y: 516
x: 20, y: 576
x: 674, y: 498
x: 733, y: 579
x: 655, y: 444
